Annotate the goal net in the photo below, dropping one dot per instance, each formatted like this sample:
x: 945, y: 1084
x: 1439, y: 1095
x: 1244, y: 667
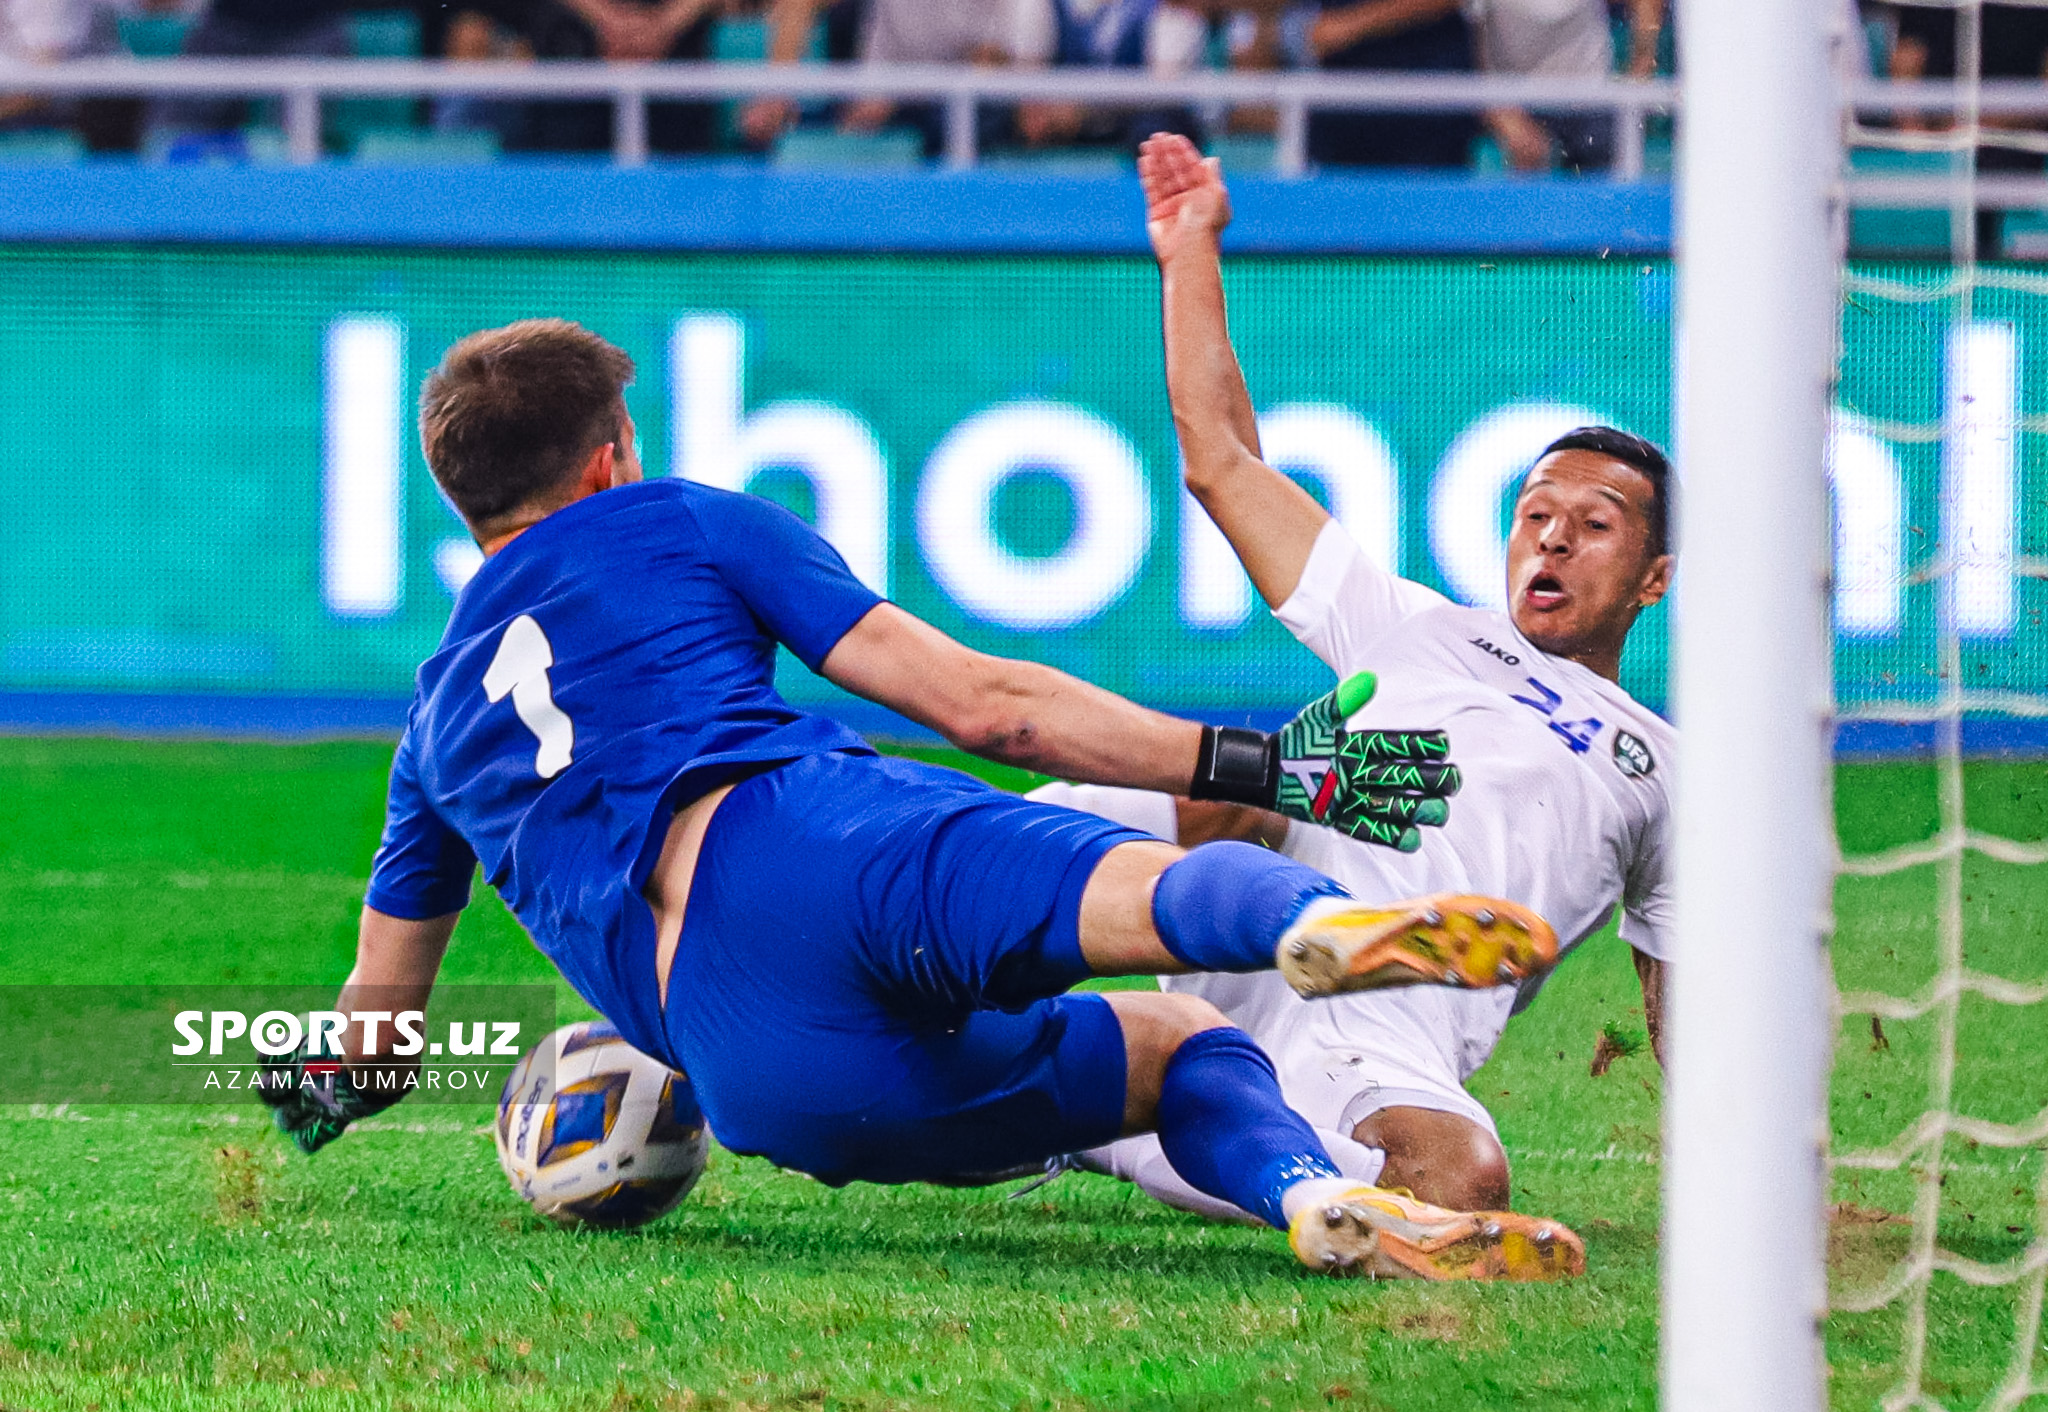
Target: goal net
x: 1939, y: 1093
x: 1856, y: 1202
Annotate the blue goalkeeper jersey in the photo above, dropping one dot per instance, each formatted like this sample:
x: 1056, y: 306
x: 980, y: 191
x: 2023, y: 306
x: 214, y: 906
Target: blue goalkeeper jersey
x: 605, y: 668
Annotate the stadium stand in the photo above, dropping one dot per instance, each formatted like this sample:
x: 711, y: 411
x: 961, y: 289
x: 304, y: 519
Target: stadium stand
x: 583, y: 79
x: 1186, y: 37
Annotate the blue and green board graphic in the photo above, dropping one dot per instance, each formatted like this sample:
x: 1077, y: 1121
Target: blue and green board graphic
x: 214, y: 485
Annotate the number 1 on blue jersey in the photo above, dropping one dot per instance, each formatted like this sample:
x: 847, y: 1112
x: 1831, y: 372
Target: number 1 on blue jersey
x: 521, y: 668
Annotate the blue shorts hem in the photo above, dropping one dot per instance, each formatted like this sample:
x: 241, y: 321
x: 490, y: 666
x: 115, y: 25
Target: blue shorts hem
x: 1097, y: 1038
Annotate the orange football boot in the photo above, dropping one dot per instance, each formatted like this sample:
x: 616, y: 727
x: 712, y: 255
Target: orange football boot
x: 1389, y: 1236
x: 1338, y: 945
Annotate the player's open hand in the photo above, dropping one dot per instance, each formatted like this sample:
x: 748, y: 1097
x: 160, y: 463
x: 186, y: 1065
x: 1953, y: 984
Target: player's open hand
x: 1185, y: 200
x: 1379, y: 786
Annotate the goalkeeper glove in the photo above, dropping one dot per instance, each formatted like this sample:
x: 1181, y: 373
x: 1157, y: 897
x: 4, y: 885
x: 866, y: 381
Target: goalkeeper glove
x: 1377, y: 786
x: 313, y: 1099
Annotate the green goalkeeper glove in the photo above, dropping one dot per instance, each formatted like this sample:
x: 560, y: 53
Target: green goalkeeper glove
x: 313, y: 1099
x: 1377, y: 786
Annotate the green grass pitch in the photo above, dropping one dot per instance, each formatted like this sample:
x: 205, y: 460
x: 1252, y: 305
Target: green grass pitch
x: 177, y: 1257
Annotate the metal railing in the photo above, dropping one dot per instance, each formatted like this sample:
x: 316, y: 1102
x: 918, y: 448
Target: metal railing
x: 2000, y: 101
x: 303, y: 85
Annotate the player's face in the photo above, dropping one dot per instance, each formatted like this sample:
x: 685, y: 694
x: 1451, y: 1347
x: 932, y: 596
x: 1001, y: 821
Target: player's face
x: 1579, y: 562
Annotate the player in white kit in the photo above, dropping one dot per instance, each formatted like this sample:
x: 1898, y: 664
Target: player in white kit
x: 1565, y: 805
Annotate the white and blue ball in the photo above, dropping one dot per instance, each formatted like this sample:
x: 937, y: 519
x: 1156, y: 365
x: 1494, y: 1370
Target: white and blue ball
x: 591, y: 1131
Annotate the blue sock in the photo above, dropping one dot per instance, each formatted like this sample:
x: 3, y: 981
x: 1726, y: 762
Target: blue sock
x: 1224, y: 906
x: 1226, y: 1129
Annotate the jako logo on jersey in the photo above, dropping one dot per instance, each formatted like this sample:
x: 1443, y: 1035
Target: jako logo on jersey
x: 1632, y: 755
x: 1508, y: 657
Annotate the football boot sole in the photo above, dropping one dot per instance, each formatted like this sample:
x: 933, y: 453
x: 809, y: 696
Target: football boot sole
x: 1454, y: 940
x: 1379, y: 1235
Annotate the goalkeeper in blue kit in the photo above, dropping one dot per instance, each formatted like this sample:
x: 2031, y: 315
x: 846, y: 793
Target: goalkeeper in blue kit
x: 862, y: 962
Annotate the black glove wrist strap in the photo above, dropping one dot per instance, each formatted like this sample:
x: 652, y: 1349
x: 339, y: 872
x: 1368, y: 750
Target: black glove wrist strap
x: 1237, y: 765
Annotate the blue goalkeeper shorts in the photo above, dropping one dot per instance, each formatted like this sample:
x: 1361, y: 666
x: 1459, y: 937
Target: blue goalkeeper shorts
x: 868, y: 984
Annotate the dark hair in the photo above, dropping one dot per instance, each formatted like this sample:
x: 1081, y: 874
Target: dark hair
x: 1638, y: 454
x: 512, y: 412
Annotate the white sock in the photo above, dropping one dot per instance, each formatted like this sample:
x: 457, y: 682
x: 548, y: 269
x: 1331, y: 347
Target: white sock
x: 1316, y: 908
x: 1142, y: 1161
x: 1314, y: 1191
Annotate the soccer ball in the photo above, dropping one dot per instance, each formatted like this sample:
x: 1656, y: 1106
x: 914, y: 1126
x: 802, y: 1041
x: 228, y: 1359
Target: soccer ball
x: 593, y: 1132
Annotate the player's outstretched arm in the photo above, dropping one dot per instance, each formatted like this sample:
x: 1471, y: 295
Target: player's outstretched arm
x: 396, y: 961
x: 1270, y: 521
x: 1021, y: 713
x: 1378, y: 786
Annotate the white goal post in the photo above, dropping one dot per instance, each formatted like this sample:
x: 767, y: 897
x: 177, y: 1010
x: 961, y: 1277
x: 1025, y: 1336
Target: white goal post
x: 1744, y: 1195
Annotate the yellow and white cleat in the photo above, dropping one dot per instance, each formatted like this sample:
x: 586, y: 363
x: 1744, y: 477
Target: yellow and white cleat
x: 1384, y: 1235
x: 1452, y: 940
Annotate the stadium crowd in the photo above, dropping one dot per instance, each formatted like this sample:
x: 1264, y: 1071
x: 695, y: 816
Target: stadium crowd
x: 1583, y: 38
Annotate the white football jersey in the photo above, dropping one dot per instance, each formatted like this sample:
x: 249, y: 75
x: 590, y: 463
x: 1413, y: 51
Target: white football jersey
x: 1565, y: 805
